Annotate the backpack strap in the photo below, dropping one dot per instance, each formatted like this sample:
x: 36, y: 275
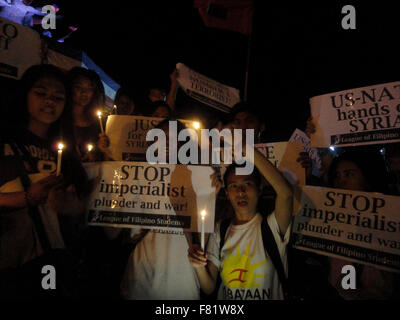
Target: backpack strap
x: 269, y: 246
x: 273, y: 252
x: 222, y: 231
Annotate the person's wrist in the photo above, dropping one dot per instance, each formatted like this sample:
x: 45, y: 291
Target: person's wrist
x: 30, y: 202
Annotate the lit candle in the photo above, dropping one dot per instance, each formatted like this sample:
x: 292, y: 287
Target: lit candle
x: 196, y: 125
x: 203, y: 214
x: 101, y: 123
x: 115, y: 109
x: 59, y: 156
x: 89, y: 147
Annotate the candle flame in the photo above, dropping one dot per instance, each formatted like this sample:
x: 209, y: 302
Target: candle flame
x: 203, y: 214
x: 60, y: 146
x: 90, y: 147
x: 99, y: 113
x: 196, y: 125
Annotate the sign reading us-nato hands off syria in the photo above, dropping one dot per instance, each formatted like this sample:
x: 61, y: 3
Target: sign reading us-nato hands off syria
x: 151, y: 196
x: 357, y: 226
x: 367, y: 115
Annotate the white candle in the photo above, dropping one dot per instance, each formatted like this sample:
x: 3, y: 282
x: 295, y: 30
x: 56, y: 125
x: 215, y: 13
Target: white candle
x: 59, y: 156
x: 203, y: 214
x: 101, y: 123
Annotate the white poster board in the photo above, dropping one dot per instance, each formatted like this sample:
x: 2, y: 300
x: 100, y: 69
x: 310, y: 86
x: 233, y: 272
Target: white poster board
x: 367, y: 115
x: 138, y: 194
x: 356, y: 226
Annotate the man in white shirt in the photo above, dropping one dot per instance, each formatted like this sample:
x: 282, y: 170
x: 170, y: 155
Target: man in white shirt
x: 246, y: 269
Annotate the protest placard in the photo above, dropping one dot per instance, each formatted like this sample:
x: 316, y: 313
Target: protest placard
x: 367, y: 115
x: 20, y: 48
x: 138, y: 194
x: 207, y: 90
x: 283, y: 156
x: 299, y: 135
x: 127, y: 136
x: 356, y: 226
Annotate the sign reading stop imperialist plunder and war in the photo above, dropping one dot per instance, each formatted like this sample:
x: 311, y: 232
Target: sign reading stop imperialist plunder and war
x: 367, y: 115
x: 127, y: 136
x: 283, y: 156
x: 206, y: 90
x: 139, y: 194
x: 356, y: 226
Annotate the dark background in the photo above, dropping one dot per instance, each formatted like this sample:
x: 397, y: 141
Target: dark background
x: 298, y: 50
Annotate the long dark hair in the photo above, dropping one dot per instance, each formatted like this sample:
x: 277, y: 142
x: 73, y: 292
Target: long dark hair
x: 60, y: 130
x: 98, y: 94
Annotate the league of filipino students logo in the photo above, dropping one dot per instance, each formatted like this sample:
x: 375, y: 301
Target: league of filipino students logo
x: 238, y: 271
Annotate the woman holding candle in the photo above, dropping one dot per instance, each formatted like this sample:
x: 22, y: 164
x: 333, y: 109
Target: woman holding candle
x: 29, y: 187
x: 88, y: 97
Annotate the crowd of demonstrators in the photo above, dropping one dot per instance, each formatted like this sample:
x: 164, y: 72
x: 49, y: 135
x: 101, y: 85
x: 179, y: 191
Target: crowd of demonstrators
x: 41, y: 212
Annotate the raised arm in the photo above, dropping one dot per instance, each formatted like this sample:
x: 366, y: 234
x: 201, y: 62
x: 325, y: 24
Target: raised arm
x: 172, y: 91
x: 284, y: 191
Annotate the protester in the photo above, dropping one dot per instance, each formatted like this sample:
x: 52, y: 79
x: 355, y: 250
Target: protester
x: 124, y: 102
x: 361, y: 171
x: 39, y: 211
x: 87, y: 98
x: 258, y: 278
x: 158, y: 267
x: 161, y: 110
x: 245, y: 116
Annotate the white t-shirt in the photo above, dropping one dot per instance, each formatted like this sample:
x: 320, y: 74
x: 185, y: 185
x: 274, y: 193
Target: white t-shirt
x: 246, y: 270
x: 159, y: 269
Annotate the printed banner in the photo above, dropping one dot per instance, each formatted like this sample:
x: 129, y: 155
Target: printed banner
x: 20, y: 48
x: 356, y: 226
x: 368, y: 115
x: 283, y: 156
x: 127, y: 136
x: 139, y: 194
x: 206, y: 90
x: 299, y: 135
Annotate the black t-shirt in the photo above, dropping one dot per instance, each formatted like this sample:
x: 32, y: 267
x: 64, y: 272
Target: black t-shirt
x: 37, y: 154
x: 18, y: 240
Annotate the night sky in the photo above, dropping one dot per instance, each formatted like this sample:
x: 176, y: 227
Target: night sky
x: 298, y: 51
